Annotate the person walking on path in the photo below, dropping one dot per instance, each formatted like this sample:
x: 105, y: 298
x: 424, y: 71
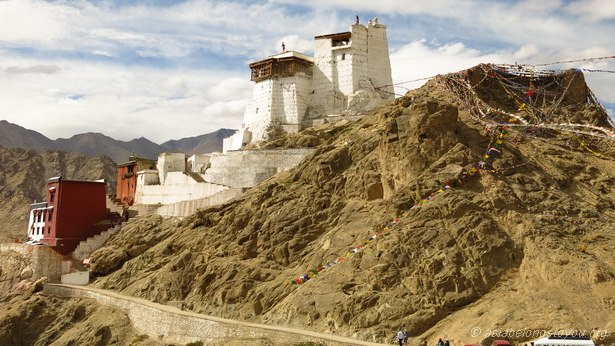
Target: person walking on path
x: 401, y: 336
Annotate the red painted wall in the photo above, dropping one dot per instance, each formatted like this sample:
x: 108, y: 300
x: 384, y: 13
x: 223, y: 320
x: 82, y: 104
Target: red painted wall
x: 126, y: 185
x: 77, y: 207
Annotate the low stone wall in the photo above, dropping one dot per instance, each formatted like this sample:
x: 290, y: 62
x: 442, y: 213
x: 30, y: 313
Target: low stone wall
x: 76, y: 278
x: 187, y: 208
x: 42, y: 259
x: 247, y: 168
x: 171, y: 325
x: 177, y: 191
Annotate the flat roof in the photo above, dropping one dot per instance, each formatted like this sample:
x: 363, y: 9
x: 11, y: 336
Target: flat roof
x: 60, y: 179
x: 336, y: 36
x: 286, y: 55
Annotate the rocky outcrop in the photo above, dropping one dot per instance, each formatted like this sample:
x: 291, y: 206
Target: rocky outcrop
x: 41, y: 320
x: 489, y: 248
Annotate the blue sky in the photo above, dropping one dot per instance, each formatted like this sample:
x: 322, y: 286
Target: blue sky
x: 167, y: 69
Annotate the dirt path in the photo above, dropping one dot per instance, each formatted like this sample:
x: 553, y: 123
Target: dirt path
x: 169, y: 324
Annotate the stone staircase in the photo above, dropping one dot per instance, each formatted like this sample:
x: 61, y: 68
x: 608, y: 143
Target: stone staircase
x: 113, y: 206
x: 86, y: 247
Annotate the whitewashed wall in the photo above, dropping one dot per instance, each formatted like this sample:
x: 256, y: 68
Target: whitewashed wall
x: 198, y: 163
x: 257, y: 116
x: 359, y: 58
x: 323, y: 95
x: 378, y: 59
x: 237, y: 140
x: 290, y: 101
x: 147, y: 177
x: 170, y: 162
x: 166, y: 194
x: 247, y: 168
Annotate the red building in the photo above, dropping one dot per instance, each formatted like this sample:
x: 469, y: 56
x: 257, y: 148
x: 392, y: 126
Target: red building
x: 127, y: 179
x: 74, y: 211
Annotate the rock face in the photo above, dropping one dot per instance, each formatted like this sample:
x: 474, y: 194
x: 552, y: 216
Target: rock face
x: 23, y: 180
x: 524, y: 244
x: 41, y: 320
x: 143, y: 234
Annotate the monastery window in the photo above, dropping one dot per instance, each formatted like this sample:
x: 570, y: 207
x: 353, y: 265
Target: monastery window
x: 343, y: 56
x: 340, y: 40
x: 50, y: 214
x: 261, y: 71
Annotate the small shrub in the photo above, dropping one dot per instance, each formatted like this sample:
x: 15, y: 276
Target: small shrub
x: 196, y: 343
x: 582, y: 247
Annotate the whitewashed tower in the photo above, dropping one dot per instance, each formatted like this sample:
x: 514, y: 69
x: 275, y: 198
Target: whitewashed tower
x: 350, y: 73
x: 280, y: 94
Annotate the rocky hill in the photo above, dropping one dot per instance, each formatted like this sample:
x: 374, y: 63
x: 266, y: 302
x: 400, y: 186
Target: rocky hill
x: 23, y: 180
x: 481, y: 202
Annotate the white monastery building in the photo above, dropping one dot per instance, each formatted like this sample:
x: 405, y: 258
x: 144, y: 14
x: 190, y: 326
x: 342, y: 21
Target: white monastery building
x: 349, y: 73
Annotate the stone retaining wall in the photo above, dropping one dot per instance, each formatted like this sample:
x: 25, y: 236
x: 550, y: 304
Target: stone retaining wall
x: 187, y: 208
x: 171, y: 325
x: 42, y: 259
x: 247, y: 168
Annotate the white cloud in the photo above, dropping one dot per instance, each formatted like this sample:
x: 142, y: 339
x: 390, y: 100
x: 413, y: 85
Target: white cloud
x: 231, y: 88
x: 34, y: 21
x: 52, y: 79
x: 593, y: 10
x: 526, y: 52
x: 222, y: 109
x: 44, y: 69
x: 113, y: 34
x: 175, y: 87
x: 121, y: 102
x: 418, y: 60
x: 383, y: 6
x: 296, y: 43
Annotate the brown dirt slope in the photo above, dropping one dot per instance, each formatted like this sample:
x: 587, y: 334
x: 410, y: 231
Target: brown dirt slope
x: 23, y: 179
x: 41, y: 320
x: 525, y: 243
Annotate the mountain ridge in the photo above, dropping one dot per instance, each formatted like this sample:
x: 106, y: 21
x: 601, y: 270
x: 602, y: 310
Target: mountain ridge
x: 94, y: 143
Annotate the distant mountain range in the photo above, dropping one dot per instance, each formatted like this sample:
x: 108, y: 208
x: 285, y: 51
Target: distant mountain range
x: 94, y: 144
